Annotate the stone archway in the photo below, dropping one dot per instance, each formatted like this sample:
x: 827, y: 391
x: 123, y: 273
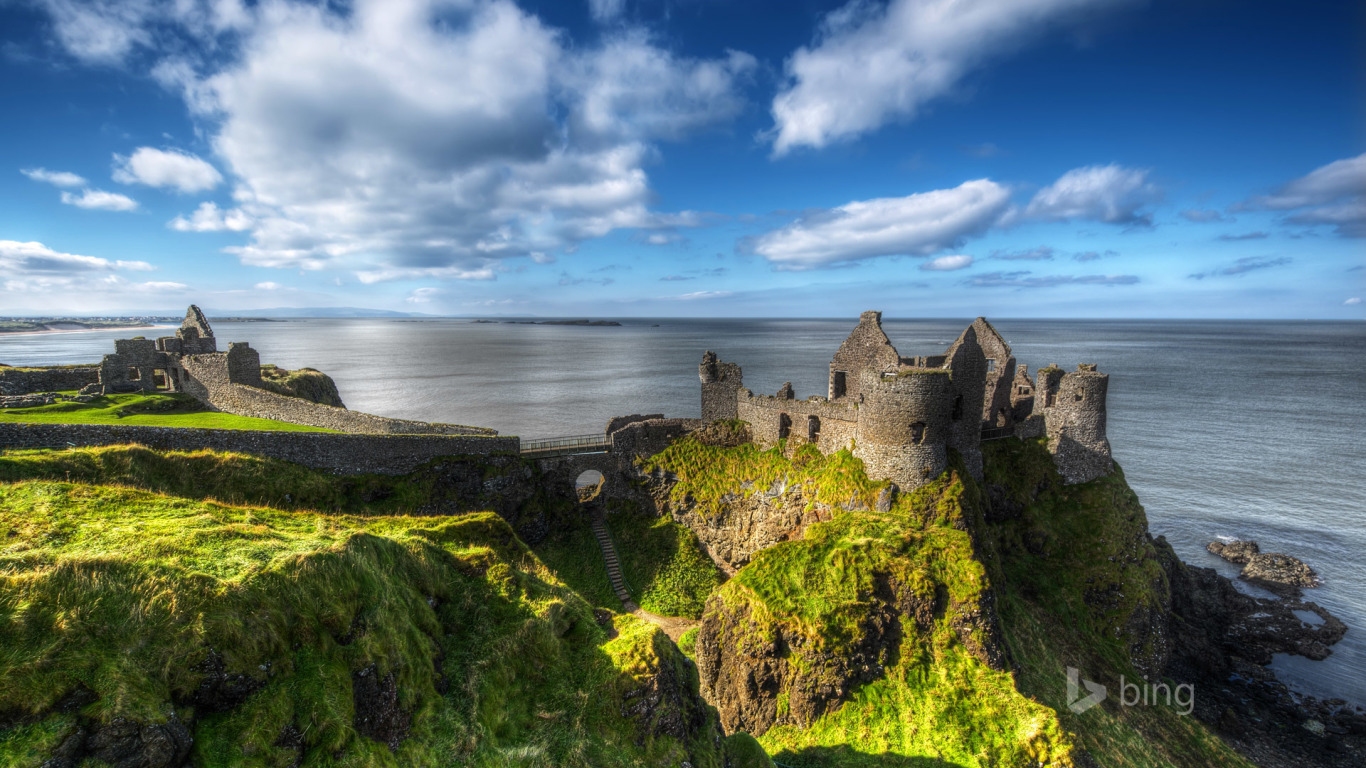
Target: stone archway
x: 588, y: 485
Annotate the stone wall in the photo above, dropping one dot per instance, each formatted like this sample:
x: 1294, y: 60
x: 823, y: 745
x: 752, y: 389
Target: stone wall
x: 720, y: 383
x: 211, y: 379
x: 967, y: 367
x: 866, y: 347
x: 17, y: 381
x: 618, y: 422
x: 646, y: 438
x: 904, y: 425
x: 1073, y: 409
x: 836, y: 421
x: 342, y: 454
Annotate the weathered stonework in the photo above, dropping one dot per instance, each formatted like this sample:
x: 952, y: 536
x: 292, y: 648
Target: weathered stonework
x: 720, y: 382
x: 1072, y: 406
x: 18, y: 381
x: 342, y: 454
x: 902, y: 415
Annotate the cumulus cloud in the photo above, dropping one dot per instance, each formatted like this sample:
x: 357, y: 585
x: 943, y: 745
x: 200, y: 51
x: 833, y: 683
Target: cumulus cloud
x: 1108, y: 193
x: 209, y: 218
x: 420, y: 139
x: 873, y: 64
x: 98, y: 199
x: 173, y: 169
x: 1041, y: 253
x: 916, y: 225
x: 106, y: 32
x: 1022, y: 279
x: 1243, y: 266
x: 1334, y: 195
x: 948, y: 263
x: 55, y: 178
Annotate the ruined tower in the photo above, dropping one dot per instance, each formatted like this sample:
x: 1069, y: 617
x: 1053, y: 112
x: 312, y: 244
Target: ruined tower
x: 195, y: 335
x: 1000, y: 372
x: 970, y: 383
x: 1073, y: 410
x: 866, y: 347
x: 905, y: 424
x: 721, y: 383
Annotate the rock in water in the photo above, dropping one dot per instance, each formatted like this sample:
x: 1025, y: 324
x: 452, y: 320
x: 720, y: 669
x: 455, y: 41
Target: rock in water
x: 1234, y: 551
x: 1277, y: 571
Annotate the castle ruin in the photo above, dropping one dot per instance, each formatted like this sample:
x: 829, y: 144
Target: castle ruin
x: 902, y: 415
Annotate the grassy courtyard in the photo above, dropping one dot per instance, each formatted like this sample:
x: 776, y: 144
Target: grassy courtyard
x: 145, y: 410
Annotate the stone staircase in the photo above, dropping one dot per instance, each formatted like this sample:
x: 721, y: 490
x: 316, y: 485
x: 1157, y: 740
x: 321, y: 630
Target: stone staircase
x: 609, y: 556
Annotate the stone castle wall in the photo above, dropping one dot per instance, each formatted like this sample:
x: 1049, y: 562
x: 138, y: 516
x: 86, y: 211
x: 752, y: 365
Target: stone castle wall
x: 905, y: 424
x: 641, y: 439
x: 837, y: 426
x: 866, y: 347
x: 23, y: 382
x: 720, y: 384
x: 342, y: 454
x: 967, y: 366
x: 1072, y: 407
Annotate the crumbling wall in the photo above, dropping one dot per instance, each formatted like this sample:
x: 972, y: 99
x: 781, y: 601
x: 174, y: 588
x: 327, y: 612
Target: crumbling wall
x: 1073, y: 409
x: 18, y: 381
x: 720, y: 383
x: 836, y: 422
x: 967, y: 366
x: 343, y: 454
x: 904, y: 425
x: 866, y: 347
x: 1021, y: 395
x: 618, y: 422
x: 642, y: 439
x: 1000, y: 373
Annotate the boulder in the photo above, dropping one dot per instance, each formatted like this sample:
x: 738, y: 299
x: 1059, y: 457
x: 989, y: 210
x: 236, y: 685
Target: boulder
x: 1279, y: 573
x: 1234, y: 551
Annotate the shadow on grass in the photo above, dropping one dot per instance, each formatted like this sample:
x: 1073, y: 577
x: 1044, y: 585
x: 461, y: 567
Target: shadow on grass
x: 844, y: 756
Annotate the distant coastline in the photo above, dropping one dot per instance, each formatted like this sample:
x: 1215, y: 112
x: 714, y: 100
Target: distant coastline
x: 47, y: 330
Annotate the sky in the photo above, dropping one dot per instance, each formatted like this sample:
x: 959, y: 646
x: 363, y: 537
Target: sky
x: 661, y: 158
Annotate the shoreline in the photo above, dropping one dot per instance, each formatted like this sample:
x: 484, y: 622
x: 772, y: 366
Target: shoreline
x: 6, y: 334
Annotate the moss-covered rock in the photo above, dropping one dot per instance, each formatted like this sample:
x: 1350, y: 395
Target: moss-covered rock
x: 305, y: 383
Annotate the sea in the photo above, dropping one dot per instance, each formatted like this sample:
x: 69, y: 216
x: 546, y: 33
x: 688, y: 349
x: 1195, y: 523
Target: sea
x: 1225, y: 429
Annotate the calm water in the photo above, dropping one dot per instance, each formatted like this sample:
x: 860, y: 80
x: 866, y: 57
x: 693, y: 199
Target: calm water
x: 1236, y: 429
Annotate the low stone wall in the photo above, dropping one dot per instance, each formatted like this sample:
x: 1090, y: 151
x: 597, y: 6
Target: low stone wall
x: 342, y: 454
x: 838, y: 420
x: 23, y: 382
x: 210, y: 381
x: 643, y: 439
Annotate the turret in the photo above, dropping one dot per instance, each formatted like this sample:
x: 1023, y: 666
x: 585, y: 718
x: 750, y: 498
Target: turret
x: 1073, y: 410
x: 721, y: 384
x: 905, y: 424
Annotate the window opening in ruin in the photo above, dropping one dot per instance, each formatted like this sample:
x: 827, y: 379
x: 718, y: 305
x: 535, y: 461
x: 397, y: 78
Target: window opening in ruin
x: 1001, y: 418
x: 784, y: 425
x: 841, y: 383
x: 159, y: 380
x: 918, y: 433
x: 588, y: 485
x: 813, y: 428
x: 991, y: 364
x: 1049, y: 398
x: 958, y: 408
x: 1078, y: 397
x: 134, y: 374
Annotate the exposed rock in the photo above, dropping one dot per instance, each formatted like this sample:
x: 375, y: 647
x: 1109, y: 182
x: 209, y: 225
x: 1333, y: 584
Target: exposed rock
x: 747, y: 523
x: 1234, y: 551
x: 126, y: 743
x: 219, y: 691
x: 378, y: 714
x: 665, y: 703
x: 1279, y: 573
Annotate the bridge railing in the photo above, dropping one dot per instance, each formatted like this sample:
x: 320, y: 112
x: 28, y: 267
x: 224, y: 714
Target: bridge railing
x: 997, y: 433
x: 563, y: 443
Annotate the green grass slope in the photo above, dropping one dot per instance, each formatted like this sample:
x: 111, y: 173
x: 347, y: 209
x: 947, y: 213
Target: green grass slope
x: 123, y: 600
x: 145, y: 410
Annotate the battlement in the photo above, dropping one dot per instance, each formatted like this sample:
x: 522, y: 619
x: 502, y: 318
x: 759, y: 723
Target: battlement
x: 902, y: 415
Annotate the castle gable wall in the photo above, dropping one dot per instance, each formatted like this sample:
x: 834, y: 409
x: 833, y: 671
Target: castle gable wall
x: 866, y: 347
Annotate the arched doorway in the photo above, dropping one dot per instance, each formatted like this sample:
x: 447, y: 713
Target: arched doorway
x: 588, y: 485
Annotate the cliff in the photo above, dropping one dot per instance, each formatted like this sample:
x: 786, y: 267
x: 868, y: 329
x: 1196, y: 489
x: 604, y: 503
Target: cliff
x: 306, y: 383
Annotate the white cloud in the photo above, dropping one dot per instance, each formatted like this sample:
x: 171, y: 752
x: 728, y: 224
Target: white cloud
x: 209, y: 218
x: 948, y: 263
x: 1108, y: 193
x: 1352, y: 301
x: 98, y: 199
x: 917, y: 225
x: 404, y: 139
x: 55, y: 178
x: 106, y: 32
x: 267, y: 286
x: 1333, y: 194
x: 606, y: 10
x: 1041, y: 253
x: 701, y: 295
x: 174, y: 168
x: 45, y: 275
x: 871, y: 64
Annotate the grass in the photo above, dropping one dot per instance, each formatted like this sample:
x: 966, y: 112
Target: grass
x: 145, y: 410
x: 126, y: 591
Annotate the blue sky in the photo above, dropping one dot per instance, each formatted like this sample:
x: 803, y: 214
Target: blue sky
x: 1013, y: 158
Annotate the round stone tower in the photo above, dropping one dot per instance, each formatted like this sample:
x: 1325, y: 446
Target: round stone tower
x: 905, y: 425
x: 1073, y: 406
